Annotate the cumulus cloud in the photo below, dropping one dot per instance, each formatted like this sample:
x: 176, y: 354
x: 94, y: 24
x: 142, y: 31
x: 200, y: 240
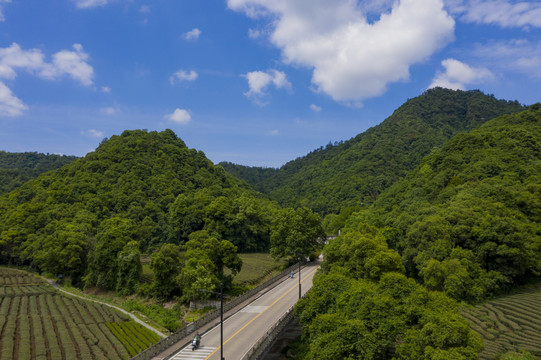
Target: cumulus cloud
x: 10, y: 105
x: 85, y: 4
x: 503, y: 13
x: 192, y: 35
x: 65, y: 62
x: 259, y: 81
x: 183, y: 75
x: 458, y: 75
x: 105, y: 89
x: 351, y: 57
x: 180, y: 116
x: 315, y: 108
x: 72, y: 63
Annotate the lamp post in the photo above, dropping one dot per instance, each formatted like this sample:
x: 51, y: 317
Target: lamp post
x: 299, y: 277
x: 221, y: 293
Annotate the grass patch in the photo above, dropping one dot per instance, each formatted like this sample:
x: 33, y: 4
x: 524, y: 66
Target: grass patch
x: 256, y: 267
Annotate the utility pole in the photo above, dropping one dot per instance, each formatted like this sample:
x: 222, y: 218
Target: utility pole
x: 221, y: 293
x: 300, y: 278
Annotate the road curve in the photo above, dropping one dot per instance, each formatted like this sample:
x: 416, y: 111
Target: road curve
x: 243, y: 329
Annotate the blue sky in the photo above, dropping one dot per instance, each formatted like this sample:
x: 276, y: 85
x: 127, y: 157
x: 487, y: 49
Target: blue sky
x: 254, y: 82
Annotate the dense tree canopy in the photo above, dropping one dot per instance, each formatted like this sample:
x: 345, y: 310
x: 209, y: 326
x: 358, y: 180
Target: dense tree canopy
x: 296, y: 233
x: 363, y: 307
x: 17, y: 168
x: 355, y: 172
x: 140, y: 186
x: 467, y: 221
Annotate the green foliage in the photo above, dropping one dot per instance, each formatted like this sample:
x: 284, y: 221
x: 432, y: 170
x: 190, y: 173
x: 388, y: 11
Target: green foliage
x: 347, y: 318
x: 133, y: 336
x: 139, y: 186
x: 355, y: 172
x: 366, y: 256
x: 17, y: 168
x: 129, y: 268
x: 166, y: 264
x: 170, y: 319
x: 509, y: 323
x: 207, y: 258
x: 467, y: 221
x: 296, y: 233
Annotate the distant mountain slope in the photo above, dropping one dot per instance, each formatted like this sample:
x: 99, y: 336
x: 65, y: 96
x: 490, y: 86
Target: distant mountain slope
x: 142, y: 186
x: 358, y: 170
x: 467, y: 220
x: 17, y: 168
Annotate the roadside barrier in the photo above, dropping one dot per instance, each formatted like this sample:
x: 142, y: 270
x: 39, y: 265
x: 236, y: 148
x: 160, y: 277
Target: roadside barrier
x: 190, y: 328
x: 263, y: 345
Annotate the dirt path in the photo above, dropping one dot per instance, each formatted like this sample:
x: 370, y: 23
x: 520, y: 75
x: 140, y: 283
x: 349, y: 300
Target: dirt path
x: 135, y: 318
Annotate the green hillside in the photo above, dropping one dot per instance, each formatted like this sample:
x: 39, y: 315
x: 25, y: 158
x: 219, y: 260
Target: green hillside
x: 355, y: 172
x: 467, y: 220
x: 17, y: 168
x: 140, y: 186
x: 465, y: 224
x: 510, y: 323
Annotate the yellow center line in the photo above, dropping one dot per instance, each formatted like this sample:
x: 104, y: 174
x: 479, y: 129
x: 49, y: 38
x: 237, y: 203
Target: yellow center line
x: 261, y: 313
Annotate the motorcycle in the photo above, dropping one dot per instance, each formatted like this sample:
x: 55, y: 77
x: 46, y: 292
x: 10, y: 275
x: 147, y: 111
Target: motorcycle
x: 195, y: 343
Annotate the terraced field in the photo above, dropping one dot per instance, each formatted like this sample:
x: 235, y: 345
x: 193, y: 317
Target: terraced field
x: 509, y: 323
x: 38, y: 322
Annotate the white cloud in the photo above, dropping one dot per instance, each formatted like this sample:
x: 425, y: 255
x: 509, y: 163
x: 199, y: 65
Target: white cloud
x: 504, y: 13
x: 315, y: 108
x: 254, y: 33
x: 144, y: 9
x: 517, y: 55
x: 65, y: 62
x: 108, y: 110
x: 105, y: 89
x: 94, y: 133
x: 183, y: 75
x: 274, y: 132
x: 10, y: 105
x: 85, y: 4
x: 351, y: 58
x: 180, y: 116
x: 72, y: 63
x: 2, y: 18
x: 259, y: 81
x: 458, y: 74
x: 192, y: 35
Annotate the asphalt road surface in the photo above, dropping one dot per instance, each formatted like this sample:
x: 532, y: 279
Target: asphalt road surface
x: 243, y: 329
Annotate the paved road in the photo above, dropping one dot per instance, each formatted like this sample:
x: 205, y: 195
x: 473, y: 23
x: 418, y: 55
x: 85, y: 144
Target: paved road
x: 246, y: 327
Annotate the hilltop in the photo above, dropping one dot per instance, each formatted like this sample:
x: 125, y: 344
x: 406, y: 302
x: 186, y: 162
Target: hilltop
x: 139, y: 186
x: 464, y: 224
x: 355, y: 172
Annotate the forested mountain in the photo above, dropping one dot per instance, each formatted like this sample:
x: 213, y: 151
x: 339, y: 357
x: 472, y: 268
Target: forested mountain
x: 254, y: 175
x: 17, y: 168
x: 357, y: 171
x: 466, y: 222
x: 140, y: 186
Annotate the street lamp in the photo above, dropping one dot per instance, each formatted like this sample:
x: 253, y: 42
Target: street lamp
x: 221, y: 293
x: 299, y: 277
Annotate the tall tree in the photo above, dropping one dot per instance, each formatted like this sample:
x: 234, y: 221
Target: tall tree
x: 166, y: 263
x: 296, y: 233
